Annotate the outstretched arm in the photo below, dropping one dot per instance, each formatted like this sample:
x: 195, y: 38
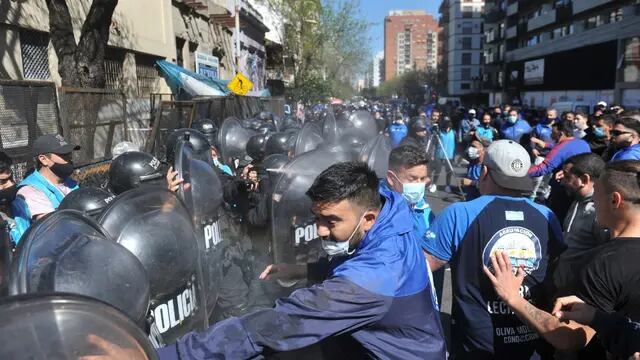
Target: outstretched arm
x: 563, y: 336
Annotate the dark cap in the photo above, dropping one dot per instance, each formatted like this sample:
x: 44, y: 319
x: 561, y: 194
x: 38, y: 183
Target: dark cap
x: 52, y: 144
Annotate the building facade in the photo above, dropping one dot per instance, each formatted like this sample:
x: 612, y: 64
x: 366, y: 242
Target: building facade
x: 142, y: 32
x: 462, y: 25
x: 583, y: 51
x: 377, y: 69
x: 410, y: 42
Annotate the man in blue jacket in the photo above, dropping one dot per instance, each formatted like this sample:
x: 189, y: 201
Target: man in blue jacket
x: 625, y: 136
x: 42, y: 191
x: 514, y: 127
x: 408, y: 175
x: 397, y: 131
x: 375, y: 298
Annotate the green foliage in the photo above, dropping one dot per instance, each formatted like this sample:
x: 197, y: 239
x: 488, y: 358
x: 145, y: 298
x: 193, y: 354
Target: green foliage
x: 409, y: 85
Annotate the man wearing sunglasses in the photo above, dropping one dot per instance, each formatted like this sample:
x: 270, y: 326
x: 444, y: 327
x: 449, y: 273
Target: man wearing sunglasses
x: 625, y: 137
x: 42, y: 191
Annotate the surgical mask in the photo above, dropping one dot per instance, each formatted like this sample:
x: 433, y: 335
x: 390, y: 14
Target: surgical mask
x: 512, y: 119
x: 62, y: 171
x: 473, y: 153
x: 599, y: 132
x: 340, y: 248
x: 413, y: 192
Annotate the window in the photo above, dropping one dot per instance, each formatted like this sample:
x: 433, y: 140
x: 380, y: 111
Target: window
x: 466, y: 59
x: 466, y: 43
x: 631, y: 66
x: 467, y: 28
x: 466, y: 74
x: 465, y: 86
x: 35, y: 56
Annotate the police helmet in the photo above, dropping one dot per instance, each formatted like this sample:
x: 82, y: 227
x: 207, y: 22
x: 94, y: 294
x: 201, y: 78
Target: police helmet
x: 89, y: 200
x: 133, y: 168
x: 198, y: 141
x: 208, y: 128
x: 278, y: 143
x: 256, y: 146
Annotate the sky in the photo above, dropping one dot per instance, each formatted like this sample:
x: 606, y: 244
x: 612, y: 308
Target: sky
x: 374, y: 12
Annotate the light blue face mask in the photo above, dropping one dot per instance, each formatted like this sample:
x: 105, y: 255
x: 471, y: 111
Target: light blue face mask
x: 413, y: 192
x: 340, y: 248
x: 512, y: 119
x: 598, y: 132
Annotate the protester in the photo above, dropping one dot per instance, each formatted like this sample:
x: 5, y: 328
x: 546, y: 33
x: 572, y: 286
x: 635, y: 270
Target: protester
x: 475, y: 153
x: 444, y: 153
x: 581, y: 232
x: 8, y: 190
x: 625, y: 137
x: 468, y: 124
x: 397, y: 131
x: 609, y: 282
x: 598, y: 136
x: 418, y: 135
x: 375, y: 295
x: 41, y: 192
x: 465, y: 235
x: 514, y: 128
x: 408, y: 175
x: 541, y: 134
x: 485, y: 131
x: 580, y: 125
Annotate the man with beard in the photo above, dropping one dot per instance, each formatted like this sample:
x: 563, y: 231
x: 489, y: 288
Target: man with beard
x: 580, y: 230
x: 598, y: 136
x: 626, y: 137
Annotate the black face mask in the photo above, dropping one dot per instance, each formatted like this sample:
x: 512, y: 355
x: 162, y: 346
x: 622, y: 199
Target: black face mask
x: 62, y: 171
x: 8, y: 195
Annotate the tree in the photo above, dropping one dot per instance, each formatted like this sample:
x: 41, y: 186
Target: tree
x: 81, y: 64
x: 324, y: 42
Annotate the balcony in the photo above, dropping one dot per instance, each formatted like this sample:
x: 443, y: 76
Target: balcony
x: 543, y: 20
x: 512, y: 9
x: 512, y: 32
x: 493, y: 15
x: 580, y: 6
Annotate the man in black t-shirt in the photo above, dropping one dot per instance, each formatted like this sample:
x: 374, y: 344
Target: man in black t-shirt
x: 611, y: 282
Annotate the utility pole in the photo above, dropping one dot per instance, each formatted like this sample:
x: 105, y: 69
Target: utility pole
x: 238, y: 7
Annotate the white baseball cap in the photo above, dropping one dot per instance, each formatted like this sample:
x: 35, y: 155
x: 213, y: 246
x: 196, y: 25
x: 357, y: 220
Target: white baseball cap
x: 602, y: 103
x: 509, y: 164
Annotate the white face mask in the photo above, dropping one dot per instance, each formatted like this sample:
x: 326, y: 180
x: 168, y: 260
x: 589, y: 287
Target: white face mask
x: 413, y: 192
x: 340, y: 248
x: 472, y: 153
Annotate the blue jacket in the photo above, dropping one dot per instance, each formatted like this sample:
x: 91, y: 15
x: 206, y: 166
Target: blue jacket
x: 448, y: 139
x: 490, y: 133
x: 515, y: 131
x: 379, y: 298
x: 20, y: 209
x: 473, y: 173
x: 397, y: 132
x: 628, y: 153
x: 558, y: 155
x: 543, y: 132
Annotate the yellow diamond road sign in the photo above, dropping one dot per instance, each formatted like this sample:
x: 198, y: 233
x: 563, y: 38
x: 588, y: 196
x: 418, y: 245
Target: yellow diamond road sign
x: 240, y: 84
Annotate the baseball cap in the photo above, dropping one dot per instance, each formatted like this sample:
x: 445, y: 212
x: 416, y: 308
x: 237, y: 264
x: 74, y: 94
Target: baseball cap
x: 472, y: 111
x: 54, y: 144
x: 602, y: 103
x: 509, y: 164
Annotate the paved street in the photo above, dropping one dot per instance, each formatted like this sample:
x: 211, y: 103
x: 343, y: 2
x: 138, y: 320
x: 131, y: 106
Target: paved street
x: 438, y: 201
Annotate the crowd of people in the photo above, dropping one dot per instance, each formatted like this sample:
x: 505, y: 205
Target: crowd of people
x: 542, y: 249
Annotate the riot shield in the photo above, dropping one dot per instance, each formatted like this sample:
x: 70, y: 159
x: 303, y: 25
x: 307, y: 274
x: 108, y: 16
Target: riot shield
x: 65, y: 326
x: 330, y: 127
x: 6, y: 258
x: 295, y: 235
x: 363, y: 124
x: 233, y: 140
x: 376, y: 154
x: 201, y: 192
x: 69, y: 252
x: 309, y: 137
x: 153, y: 224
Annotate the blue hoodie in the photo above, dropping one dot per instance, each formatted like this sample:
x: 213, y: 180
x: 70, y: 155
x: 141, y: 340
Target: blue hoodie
x: 515, y: 131
x: 378, y: 300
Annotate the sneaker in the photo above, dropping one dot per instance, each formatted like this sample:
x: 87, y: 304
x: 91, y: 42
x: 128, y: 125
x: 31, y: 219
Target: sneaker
x: 433, y: 188
x: 447, y: 189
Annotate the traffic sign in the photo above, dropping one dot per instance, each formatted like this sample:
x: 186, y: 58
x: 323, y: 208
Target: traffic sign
x: 240, y: 84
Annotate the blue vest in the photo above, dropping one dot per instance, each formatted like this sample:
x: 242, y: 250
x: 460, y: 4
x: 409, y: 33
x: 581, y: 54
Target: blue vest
x: 21, y: 212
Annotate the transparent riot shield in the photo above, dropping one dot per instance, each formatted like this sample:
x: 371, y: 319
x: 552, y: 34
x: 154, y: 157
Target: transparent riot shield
x: 295, y: 235
x: 65, y: 326
x: 69, y: 252
x: 309, y: 137
x: 233, y: 139
x: 330, y: 127
x: 363, y: 124
x: 376, y: 154
x: 154, y: 224
x: 201, y: 192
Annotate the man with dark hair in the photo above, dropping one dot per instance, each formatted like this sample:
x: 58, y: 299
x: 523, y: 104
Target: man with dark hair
x: 598, y: 135
x: 374, y: 299
x: 626, y: 136
x: 408, y: 175
x: 467, y: 234
x: 42, y: 192
x: 566, y: 147
x: 609, y: 282
x: 581, y: 232
x: 475, y: 154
